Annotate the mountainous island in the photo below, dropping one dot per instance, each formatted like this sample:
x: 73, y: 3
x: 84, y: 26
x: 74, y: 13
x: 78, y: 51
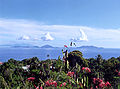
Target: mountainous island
x: 49, y: 46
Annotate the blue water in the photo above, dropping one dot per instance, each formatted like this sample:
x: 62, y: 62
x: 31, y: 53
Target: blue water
x: 41, y: 53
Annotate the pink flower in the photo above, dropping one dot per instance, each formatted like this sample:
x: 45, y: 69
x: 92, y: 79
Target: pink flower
x: 100, y: 80
x: 102, y: 84
x: 51, y: 82
x: 31, y: 78
x: 54, y: 83
x: 47, y: 83
x: 70, y: 74
x: 86, y: 69
x: 107, y: 84
x: 41, y: 87
x: 96, y: 86
x: 64, y: 84
x: 83, y: 68
x: 60, y: 85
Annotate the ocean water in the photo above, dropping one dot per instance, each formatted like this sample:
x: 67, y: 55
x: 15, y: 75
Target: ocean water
x: 41, y: 53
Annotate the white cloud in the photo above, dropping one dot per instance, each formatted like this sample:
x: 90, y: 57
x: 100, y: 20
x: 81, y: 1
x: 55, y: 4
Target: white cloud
x: 82, y: 37
x: 24, y: 37
x: 47, y: 37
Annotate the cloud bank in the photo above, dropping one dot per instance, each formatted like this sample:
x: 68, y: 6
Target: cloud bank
x: 39, y: 33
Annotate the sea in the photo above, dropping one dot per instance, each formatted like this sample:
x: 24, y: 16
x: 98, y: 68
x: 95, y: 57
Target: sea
x: 54, y: 53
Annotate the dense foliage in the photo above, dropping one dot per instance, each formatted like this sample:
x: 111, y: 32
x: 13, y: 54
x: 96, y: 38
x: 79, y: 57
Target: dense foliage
x: 71, y: 72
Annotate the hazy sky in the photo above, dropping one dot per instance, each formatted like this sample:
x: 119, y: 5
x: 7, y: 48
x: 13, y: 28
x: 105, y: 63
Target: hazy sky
x: 58, y: 22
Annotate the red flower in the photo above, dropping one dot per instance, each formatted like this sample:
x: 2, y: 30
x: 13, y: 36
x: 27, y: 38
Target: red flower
x: 86, y: 69
x: 64, y: 84
x: 100, y: 80
x: 47, y: 83
x: 31, y: 78
x: 51, y: 82
x: 107, y: 84
x: 60, y: 85
x: 54, y: 83
x: 83, y: 68
x: 70, y: 74
x: 102, y: 84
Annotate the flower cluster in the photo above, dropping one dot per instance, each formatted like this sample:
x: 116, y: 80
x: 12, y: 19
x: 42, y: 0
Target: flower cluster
x: 107, y: 84
x: 99, y: 83
x: 70, y: 74
x: 86, y: 69
x: 51, y: 83
x: 63, y: 84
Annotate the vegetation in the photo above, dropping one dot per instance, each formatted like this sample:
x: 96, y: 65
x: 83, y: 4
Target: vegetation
x: 71, y: 72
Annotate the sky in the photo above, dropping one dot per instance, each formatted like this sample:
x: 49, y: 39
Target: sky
x: 58, y: 22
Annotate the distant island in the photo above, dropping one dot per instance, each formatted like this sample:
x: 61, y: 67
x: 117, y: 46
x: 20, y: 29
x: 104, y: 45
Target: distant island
x: 22, y: 46
x: 25, y: 46
x: 90, y: 47
x: 49, y: 46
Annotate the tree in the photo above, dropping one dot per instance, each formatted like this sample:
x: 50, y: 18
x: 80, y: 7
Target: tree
x: 76, y: 57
